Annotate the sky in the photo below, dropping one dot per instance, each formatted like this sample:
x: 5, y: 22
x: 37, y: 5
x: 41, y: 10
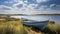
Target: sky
x: 29, y: 6
x: 32, y: 7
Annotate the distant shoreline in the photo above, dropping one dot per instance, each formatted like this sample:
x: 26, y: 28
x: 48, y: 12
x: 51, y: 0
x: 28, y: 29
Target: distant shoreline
x: 29, y: 15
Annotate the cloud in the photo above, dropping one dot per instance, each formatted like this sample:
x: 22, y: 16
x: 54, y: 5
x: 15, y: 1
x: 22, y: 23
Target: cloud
x: 22, y: 8
x: 2, y: 7
x: 29, y: 10
x: 55, y: 7
x: 19, y: 2
x: 45, y: 10
x: 52, y: 5
x: 5, y: 9
x: 25, y: 1
x: 24, y: 4
x: 26, y: 9
x: 32, y: 6
x: 8, y: 2
x: 42, y: 1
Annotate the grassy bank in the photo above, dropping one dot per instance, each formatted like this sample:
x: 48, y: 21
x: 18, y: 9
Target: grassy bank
x: 11, y: 26
x: 15, y: 26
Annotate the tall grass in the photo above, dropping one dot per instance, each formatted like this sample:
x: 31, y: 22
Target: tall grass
x: 15, y: 26
x: 11, y: 26
x: 53, y: 28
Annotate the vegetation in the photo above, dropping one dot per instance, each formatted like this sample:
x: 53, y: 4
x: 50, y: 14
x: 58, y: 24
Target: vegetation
x: 11, y: 26
x: 51, y: 28
x: 14, y: 26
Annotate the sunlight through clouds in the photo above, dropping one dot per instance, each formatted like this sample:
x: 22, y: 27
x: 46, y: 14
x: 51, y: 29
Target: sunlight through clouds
x: 29, y: 7
x: 42, y: 1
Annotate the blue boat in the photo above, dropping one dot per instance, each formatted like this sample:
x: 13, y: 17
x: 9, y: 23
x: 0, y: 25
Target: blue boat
x: 38, y: 24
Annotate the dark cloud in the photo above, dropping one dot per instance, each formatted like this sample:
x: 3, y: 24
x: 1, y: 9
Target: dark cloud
x: 5, y: 8
x: 19, y: 6
x: 55, y: 7
x: 2, y: 7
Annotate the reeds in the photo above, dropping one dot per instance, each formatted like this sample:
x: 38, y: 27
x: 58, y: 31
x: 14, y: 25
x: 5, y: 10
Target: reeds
x: 53, y: 28
x: 15, y: 26
x: 11, y: 26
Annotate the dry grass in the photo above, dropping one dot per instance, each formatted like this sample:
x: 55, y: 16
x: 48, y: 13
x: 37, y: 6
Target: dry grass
x: 30, y: 31
x: 53, y: 28
x: 14, y: 26
x: 11, y: 26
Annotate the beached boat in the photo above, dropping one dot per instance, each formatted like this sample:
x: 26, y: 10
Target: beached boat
x: 38, y: 24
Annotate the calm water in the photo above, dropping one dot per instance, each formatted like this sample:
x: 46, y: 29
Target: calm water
x: 42, y: 18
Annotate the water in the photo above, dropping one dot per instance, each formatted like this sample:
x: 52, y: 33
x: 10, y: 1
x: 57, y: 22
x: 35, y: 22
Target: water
x: 41, y: 18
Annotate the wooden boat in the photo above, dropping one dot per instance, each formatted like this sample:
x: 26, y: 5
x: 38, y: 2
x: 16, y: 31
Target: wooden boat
x: 37, y: 24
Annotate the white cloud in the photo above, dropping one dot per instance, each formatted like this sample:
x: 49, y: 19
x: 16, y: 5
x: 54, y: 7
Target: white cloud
x: 8, y: 2
x: 54, y: 5
x: 42, y: 10
x: 42, y: 1
x: 28, y: 9
x: 4, y: 7
x: 32, y: 6
x: 23, y: 10
x: 17, y: 0
x: 26, y: 1
x: 20, y: 2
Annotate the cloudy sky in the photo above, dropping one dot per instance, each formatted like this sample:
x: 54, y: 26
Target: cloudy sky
x: 32, y: 7
x: 29, y: 6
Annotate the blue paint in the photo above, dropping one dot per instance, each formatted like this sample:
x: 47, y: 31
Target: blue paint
x: 38, y: 24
